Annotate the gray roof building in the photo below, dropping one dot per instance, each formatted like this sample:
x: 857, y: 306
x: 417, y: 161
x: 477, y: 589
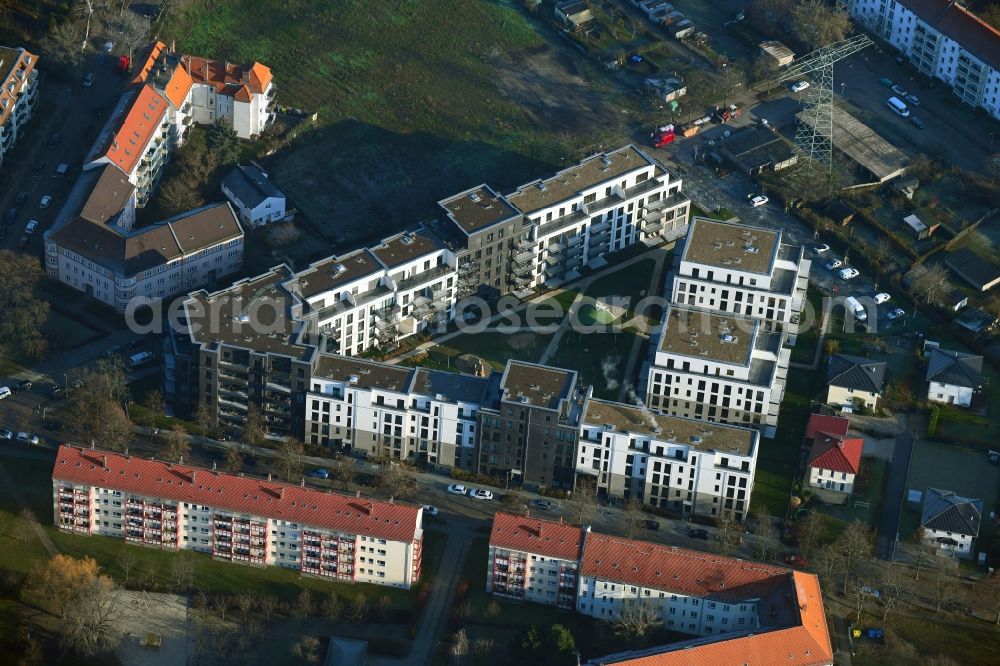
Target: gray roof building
x: 854, y: 372
x: 944, y: 511
x: 974, y: 269
x: 955, y: 368
x: 250, y: 185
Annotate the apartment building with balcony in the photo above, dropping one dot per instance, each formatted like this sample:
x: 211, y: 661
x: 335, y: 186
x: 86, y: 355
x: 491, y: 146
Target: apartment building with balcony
x: 388, y: 411
x: 18, y: 94
x: 943, y: 39
x: 482, y: 228
x: 686, y: 466
x: 743, y: 270
x: 534, y: 560
x: 235, y: 518
x: 529, y: 424
x: 93, y: 247
x: 243, y: 95
x: 715, y: 366
x: 604, y: 204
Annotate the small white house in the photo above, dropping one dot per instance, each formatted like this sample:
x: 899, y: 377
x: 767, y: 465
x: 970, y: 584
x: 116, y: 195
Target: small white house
x: 253, y: 195
x: 953, y: 377
x: 852, y: 378
x: 951, y: 522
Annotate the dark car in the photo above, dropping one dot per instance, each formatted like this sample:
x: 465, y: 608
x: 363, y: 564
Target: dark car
x: 11, y: 216
x: 57, y: 392
x: 24, y: 386
x: 40, y: 166
x: 137, y: 342
x: 698, y: 534
x: 23, y: 243
x: 542, y: 504
x: 21, y: 198
x: 651, y: 524
x: 54, y: 140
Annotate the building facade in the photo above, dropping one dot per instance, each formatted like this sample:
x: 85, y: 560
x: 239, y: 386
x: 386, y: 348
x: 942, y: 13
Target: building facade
x: 18, y: 94
x: 256, y: 200
x: 728, y: 606
x: 854, y: 381
x: 683, y: 465
x: 950, y: 522
x: 953, y: 377
x: 236, y: 518
x: 941, y: 39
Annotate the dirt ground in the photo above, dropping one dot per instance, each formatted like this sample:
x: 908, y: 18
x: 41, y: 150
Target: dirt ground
x: 163, y: 615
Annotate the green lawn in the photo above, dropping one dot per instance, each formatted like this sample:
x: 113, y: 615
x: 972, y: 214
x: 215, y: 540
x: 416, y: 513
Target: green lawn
x: 599, y: 358
x: 416, y: 100
x: 869, y: 488
x: 972, y: 643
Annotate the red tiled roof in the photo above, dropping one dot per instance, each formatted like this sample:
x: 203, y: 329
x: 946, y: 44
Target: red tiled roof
x: 227, y: 77
x: 282, y: 501
x: 832, y: 451
x: 804, y: 644
x: 137, y: 128
x: 178, y: 86
x: 836, y: 425
x: 243, y: 94
x: 541, y: 537
x: 259, y: 77
x: 959, y: 24
x: 677, y: 570
x: 141, y: 73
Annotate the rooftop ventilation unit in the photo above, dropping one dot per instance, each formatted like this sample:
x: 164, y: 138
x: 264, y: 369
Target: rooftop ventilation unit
x: 353, y: 379
x: 339, y: 268
x: 475, y: 197
x: 751, y: 249
x: 695, y: 439
x: 729, y: 339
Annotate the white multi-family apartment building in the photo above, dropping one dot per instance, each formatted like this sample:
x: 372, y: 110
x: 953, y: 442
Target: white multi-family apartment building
x: 93, y: 247
x: 743, y: 270
x: 534, y: 560
x: 241, y: 94
x: 604, y: 204
x: 236, y: 518
x: 730, y: 606
x: 720, y: 367
x: 943, y: 39
x: 18, y: 94
x: 683, y: 465
x: 394, y: 411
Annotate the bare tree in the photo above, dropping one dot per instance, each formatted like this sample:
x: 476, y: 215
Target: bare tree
x: 221, y: 603
x: 152, y: 409
x: 341, y: 472
x: 882, y: 249
x: 861, y: 591
x: 233, y: 460
x: 728, y: 535
x: 632, y: 511
x: 482, y: 648
x: 359, y: 608
x: 941, y: 589
x: 175, y: 445
x: 204, y: 420
x: 304, y: 605
x: 62, y: 44
x: 459, y: 645
x: 253, y: 428
x: 288, y: 462
x: 93, y: 621
x: 636, y: 617
x: 307, y: 649
x: 267, y: 605
x: 398, y: 481
x: 932, y: 283
x: 22, y: 328
x: 84, y: 10
x: 245, y: 602
x: 827, y: 564
x: 129, y: 29
x: 923, y: 552
x: 763, y: 543
x: 182, y: 569
x: 333, y: 607
x: 127, y: 560
x: 890, y: 589
x: 513, y: 501
x: 817, y: 24
x: 585, y: 500
x: 854, y: 544
x: 765, y: 14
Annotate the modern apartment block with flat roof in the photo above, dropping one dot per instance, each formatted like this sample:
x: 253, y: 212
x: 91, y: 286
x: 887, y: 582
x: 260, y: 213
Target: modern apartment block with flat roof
x: 18, y: 94
x: 716, y: 366
x: 529, y: 425
x: 684, y: 465
x: 734, y: 610
x: 742, y: 270
x: 238, y: 519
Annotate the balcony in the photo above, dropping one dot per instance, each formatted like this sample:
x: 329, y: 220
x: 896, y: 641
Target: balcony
x: 424, y: 277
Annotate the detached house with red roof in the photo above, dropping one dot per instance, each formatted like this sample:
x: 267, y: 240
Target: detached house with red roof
x: 235, y: 518
x: 835, y: 458
x: 737, y: 612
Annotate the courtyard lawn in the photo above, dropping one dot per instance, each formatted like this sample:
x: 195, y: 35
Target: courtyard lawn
x: 866, y: 502
x: 598, y: 357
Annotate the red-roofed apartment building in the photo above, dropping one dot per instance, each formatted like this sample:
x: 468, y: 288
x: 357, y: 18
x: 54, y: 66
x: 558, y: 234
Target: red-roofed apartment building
x: 741, y: 612
x: 18, y: 94
x: 943, y: 39
x: 835, y: 458
x: 235, y: 518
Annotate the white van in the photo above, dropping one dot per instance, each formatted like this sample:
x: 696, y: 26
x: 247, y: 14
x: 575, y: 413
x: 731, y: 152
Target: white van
x: 4, y: 392
x: 856, y: 308
x: 896, y: 105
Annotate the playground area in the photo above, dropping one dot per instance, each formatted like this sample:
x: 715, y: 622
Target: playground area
x: 156, y: 630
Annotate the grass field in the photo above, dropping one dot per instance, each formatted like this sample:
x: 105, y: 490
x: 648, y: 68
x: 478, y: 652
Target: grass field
x: 416, y: 100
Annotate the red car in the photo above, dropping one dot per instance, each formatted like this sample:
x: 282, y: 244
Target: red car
x: 796, y: 561
x: 663, y: 136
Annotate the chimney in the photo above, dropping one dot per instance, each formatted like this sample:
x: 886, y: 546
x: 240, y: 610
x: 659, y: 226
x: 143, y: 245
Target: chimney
x: 357, y: 495
x: 187, y: 66
x: 192, y: 476
x: 268, y: 476
x: 303, y: 484
x: 104, y: 462
x: 172, y: 46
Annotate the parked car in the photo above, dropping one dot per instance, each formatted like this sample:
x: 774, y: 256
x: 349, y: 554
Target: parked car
x: 881, y: 298
x: 88, y: 80
x: 21, y: 198
x: 917, y: 122
x: 24, y: 385
x: 698, y: 534
x: 833, y: 264
x: 456, y: 489
x: 108, y: 47
x: 45, y: 201
x: 480, y: 494
x: 27, y: 438
x: 430, y: 510
x: 6, y: 434
x: 542, y: 504
x: 821, y: 248
x: 896, y: 314
x: 796, y: 561
x: 870, y: 591
x: 886, y: 82
x: 31, y: 226
x: 57, y: 392
x: 318, y: 473
x: 757, y: 200
x: 11, y: 216
x: 23, y: 242
x: 913, y: 99
x: 848, y: 273
x: 899, y: 90
x: 799, y: 86
x: 651, y: 524
x: 5, y: 392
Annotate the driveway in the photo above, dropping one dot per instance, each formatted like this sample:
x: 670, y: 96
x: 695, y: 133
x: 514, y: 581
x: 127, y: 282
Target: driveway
x: 892, y: 504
